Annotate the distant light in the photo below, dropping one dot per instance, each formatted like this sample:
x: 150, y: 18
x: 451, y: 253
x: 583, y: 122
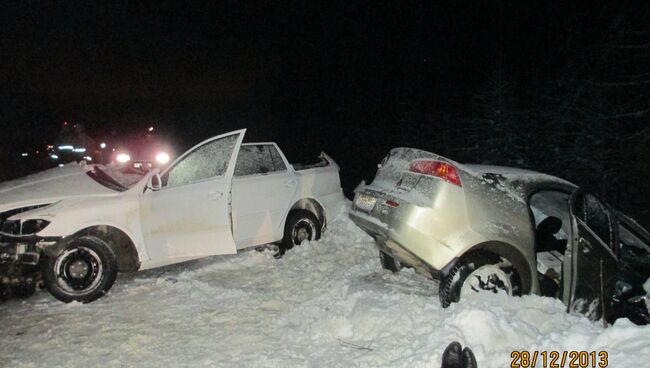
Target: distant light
x: 102, y: 145
x: 162, y: 158
x: 50, y: 147
x: 151, y: 128
x: 79, y: 150
x: 123, y: 157
x: 88, y: 158
x: 54, y: 157
x: 66, y: 147
x: 24, y: 154
x: 65, y: 123
x: 60, y: 165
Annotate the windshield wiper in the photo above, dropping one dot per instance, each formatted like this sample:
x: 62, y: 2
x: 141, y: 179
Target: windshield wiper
x: 106, y: 180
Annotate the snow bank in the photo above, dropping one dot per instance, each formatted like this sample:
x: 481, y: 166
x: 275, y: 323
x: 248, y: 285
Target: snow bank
x: 325, y: 304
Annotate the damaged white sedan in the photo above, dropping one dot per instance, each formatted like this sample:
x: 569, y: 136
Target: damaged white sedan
x: 77, y: 226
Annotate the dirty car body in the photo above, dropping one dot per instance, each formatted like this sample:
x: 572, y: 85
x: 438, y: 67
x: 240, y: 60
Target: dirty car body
x: 219, y: 197
x: 474, y: 227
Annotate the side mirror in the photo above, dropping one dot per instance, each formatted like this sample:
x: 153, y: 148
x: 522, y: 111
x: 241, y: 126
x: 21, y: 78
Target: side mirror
x: 154, y: 182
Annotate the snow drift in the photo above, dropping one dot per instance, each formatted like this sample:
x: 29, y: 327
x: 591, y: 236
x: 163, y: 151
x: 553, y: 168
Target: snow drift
x: 325, y: 304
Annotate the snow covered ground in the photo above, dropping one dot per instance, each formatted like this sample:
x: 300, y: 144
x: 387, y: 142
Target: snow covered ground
x: 325, y: 304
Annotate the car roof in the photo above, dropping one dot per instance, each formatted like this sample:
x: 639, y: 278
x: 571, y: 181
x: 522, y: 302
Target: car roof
x: 503, y: 170
x: 517, y: 174
x: 527, y: 178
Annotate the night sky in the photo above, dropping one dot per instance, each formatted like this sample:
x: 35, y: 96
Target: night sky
x: 351, y: 78
x: 232, y: 63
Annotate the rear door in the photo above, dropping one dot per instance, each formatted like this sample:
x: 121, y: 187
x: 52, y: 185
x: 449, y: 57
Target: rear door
x: 262, y: 192
x: 594, y: 263
x: 189, y: 217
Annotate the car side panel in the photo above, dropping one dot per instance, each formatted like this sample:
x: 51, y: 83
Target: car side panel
x: 73, y: 215
x: 322, y: 184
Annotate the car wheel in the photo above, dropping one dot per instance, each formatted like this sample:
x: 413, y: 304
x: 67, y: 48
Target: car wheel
x: 479, y: 272
x: 388, y: 262
x: 301, y: 225
x: 83, y: 270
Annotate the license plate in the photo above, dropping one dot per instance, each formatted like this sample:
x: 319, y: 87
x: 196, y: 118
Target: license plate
x: 365, y: 202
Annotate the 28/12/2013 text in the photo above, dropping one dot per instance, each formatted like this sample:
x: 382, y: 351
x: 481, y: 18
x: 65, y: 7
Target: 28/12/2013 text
x: 559, y: 359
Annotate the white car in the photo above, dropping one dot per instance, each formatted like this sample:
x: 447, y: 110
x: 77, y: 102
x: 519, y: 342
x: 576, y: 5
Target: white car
x: 78, y: 227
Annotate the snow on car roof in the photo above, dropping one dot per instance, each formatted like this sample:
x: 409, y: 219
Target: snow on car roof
x: 503, y: 170
x: 514, y: 173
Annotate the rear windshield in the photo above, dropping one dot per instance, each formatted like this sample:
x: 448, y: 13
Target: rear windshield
x: 398, y: 160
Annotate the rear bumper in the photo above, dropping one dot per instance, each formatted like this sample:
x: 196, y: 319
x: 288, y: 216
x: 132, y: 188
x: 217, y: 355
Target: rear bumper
x: 390, y: 245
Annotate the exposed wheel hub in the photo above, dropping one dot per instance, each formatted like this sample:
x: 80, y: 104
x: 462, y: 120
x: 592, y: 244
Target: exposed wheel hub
x: 488, y: 278
x: 78, y: 269
x: 303, y: 230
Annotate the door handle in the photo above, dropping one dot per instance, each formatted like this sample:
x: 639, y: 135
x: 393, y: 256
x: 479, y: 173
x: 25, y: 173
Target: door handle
x: 586, y: 246
x: 213, y: 196
x: 289, y: 183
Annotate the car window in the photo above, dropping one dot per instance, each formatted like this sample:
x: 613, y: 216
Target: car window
x: 278, y: 162
x: 596, y: 216
x: 207, y: 161
x: 545, y: 203
x: 629, y: 238
x: 634, y: 255
x: 258, y: 159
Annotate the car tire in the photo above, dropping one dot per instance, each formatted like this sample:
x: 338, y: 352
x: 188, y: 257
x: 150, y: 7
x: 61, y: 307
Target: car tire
x: 499, y: 275
x: 388, y: 262
x: 301, y: 225
x: 83, y: 270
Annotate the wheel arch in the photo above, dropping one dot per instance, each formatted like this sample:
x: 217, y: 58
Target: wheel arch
x: 119, y: 241
x: 514, y: 256
x: 312, y: 205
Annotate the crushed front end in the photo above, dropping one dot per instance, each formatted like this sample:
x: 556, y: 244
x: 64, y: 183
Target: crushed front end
x: 20, y: 254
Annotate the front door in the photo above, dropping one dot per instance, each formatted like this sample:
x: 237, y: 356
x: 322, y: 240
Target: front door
x: 593, y: 265
x: 189, y: 217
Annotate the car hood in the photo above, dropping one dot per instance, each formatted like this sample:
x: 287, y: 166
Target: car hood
x: 49, y: 186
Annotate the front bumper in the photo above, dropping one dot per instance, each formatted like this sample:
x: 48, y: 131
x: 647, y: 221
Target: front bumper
x: 24, y: 249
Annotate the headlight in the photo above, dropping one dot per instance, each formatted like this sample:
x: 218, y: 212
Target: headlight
x: 13, y: 226
x: 29, y: 227
x: 123, y: 157
x: 162, y: 158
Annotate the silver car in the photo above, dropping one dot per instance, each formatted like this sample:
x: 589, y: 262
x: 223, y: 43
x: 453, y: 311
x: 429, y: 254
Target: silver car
x: 486, y: 228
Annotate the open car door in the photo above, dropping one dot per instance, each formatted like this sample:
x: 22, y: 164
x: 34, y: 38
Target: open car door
x: 631, y: 297
x: 189, y: 216
x: 593, y: 258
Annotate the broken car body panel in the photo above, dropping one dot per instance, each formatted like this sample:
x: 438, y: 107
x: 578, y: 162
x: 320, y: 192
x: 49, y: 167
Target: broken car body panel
x: 431, y: 221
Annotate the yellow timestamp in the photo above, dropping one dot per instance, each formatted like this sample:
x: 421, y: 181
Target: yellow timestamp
x: 559, y: 359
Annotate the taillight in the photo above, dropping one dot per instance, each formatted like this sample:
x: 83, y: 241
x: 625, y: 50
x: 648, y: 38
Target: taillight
x: 393, y: 204
x: 439, y: 169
